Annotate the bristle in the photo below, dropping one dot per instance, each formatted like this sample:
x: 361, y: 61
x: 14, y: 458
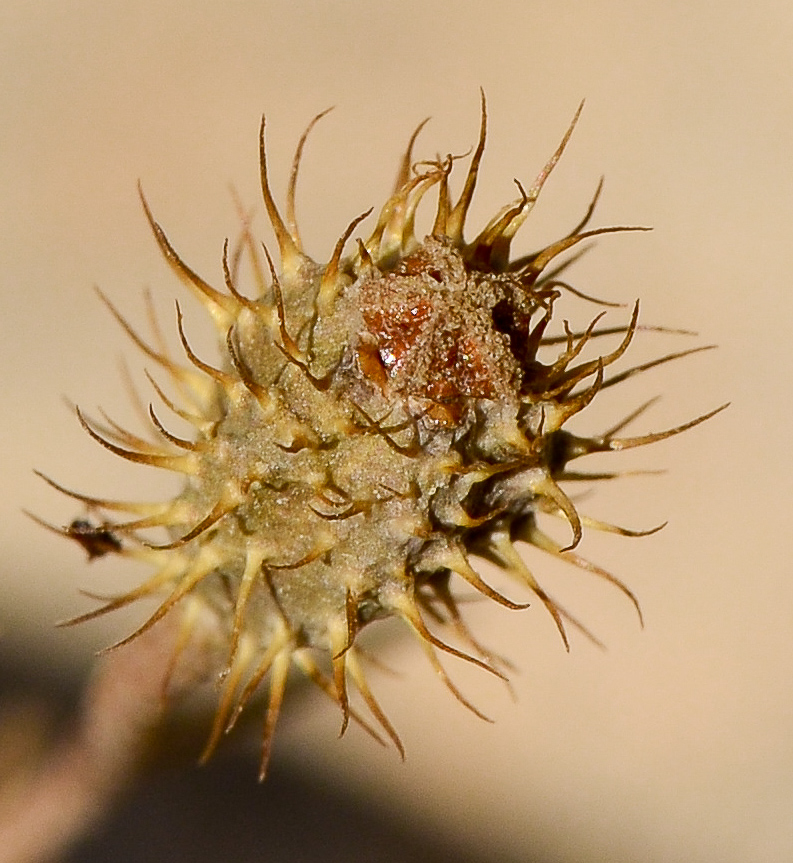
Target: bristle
x: 549, y: 284
x: 359, y: 678
x: 537, y: 263
x: 578, y: 373
x: 469, y: 574
x: 288, y: 344
x: 138, y: 404
x: 550, y: 489
x: 244, y: 655
x: 456, y: 221
x: 329, y: 286
x: 339, y: 646
x: 254, y: 559
x: 230, y: 286
x: 103, y: 503
x: 608, y: 527
x: 191, y: 446
x: 575, y: 403
x: 403, y: 174
x: 168, y: 517
x: 574, y: 344
x: 455, y: 560
x: 115, y: 432
x: 611, y: 331
x: 185, y: 376
x: 490, y: 250
x: 627, y: 420
x: 365, y: 262
x: 228, y: 503
x: 429, y: 650
x: 223, y: 378
x: 277, y: 688
x: 193, y: 387
x: 590, y: 211
x: 180, y: 463
x: 165, y: 576
x: 260, y: 393
x: 500, y: 232
x: 585, y: 446
x: 393, y: 236
x: 280, y: 646
x: 635, y: 370
x: 200, y: 568
x: 291, y: 256
x: 440, y: 227
x: 441, y: 592
x: 221, y: 307
x: 199, y: 422
x: 154, y: 325
x: 291, y: 220
x: 540, y: 540
x: 406, y: 608
x: 503, y: 551
x: 403, y: 231
x: 310, y: 669
x: 247, y: 242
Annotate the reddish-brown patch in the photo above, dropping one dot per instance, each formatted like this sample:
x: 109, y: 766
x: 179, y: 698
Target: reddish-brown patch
x: 431, y: 345
x: 400, y: 331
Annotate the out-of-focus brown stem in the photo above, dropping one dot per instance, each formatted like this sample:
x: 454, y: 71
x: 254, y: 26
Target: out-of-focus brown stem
x: 125, y: 702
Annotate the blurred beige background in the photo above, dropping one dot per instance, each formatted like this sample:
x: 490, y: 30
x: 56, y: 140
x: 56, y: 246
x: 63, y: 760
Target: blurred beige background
x: 677, y: 742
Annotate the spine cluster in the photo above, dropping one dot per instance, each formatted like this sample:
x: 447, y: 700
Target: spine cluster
x: 374, y: 422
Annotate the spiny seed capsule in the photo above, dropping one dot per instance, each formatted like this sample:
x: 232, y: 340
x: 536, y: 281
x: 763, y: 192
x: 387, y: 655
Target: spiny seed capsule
x: 374, y: 422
